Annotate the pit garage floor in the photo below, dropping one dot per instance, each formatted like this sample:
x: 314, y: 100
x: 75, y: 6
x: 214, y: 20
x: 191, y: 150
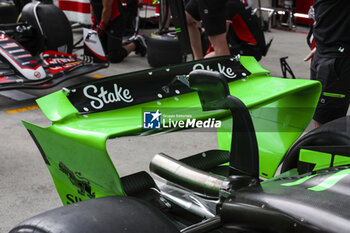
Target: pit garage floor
x: 26, y: 188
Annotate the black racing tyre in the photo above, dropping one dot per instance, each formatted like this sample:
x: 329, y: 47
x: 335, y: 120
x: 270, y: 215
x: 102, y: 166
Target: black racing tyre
x: 163, y: 49
x: 334, y: 133
x: 48, y: 34
x: 105, y: 214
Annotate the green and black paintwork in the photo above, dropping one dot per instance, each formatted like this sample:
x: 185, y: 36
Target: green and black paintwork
x: 313, y: 202
x: 85, y: 116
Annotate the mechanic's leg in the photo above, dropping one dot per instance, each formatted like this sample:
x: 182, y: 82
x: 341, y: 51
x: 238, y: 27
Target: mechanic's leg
x: 115, y: 49
x: 317, y: 124
x: 333, y: 73
x: 214, y: 22
x: 168, y: 21
x: 195, y: 36
x: 129, y: 47
x: 219, y: 44
x: 116, y: 52
x: 210, y: 55
x: 164, y: 12
x: 116, y: 56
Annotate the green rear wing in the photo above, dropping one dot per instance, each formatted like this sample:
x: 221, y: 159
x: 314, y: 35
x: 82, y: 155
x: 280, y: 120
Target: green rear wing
x: 74, y: 146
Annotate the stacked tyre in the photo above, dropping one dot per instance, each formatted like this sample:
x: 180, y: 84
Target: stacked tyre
x: 163, y: 49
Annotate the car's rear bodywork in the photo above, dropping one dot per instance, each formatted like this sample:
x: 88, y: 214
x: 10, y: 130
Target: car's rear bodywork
x: 220, y: 190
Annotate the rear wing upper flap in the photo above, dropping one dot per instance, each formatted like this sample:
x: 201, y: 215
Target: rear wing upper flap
x: 61, y: 104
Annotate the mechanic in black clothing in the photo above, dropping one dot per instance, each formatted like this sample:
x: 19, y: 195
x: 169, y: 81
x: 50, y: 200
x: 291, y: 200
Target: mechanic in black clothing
x: 331, y: 58
x: 108, y: 19
x: 244, y: 33
x: 212, y: 14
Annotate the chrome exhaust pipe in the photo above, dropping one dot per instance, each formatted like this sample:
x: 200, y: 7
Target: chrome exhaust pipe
x: 185, y: 175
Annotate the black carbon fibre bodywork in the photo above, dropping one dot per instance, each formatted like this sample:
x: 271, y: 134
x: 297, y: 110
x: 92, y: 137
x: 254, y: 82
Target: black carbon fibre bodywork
x: 287, y: 204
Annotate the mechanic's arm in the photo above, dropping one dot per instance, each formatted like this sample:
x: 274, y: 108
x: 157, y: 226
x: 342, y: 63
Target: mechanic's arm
x: 107, y: 10
x: 93, y: 19
x: 105, y: 16
x: 310, y: 55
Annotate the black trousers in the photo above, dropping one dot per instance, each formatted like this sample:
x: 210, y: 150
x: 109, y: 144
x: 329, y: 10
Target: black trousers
x: 112, y: 37
x: 334, y: 74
